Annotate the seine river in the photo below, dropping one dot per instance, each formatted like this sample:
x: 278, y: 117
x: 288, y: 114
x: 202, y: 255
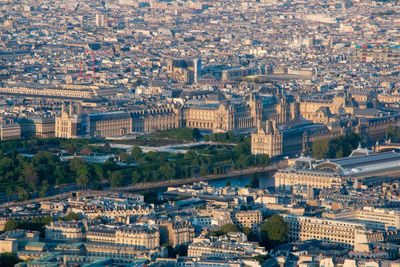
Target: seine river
x: 266, y: 180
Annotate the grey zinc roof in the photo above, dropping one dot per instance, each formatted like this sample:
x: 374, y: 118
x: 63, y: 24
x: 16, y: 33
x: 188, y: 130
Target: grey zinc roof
x: 353, y: 162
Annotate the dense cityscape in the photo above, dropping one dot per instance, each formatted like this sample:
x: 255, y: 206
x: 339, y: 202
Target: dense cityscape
x: 199, y: 133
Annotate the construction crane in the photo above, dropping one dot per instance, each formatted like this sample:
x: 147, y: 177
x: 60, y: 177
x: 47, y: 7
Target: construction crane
x: 93, y: 60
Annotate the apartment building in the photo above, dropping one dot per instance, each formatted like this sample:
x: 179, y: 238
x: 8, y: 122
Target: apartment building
x: 117, y: 123
x: 251, y: 219
x: 60, y: 230
x: 44, y: 127
x: 207, y: 248
x: 336, y: 231
x: 176, y: 233
x: 373, y: 218
x: 139, y: 237
x: 10, y: 130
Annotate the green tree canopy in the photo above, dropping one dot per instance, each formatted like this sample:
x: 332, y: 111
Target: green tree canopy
x: 116, y: 179
x: 10, y: 225
x: 320, y: 148
x: 224, y: 229
x: 254, y: 181
x: 274, y: 231
x: 72, y: 216
x: 336, y: 147
x: 136, y: 153
x: 8, y: 259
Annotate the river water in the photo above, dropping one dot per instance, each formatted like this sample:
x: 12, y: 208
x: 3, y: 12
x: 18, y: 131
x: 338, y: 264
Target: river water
x: 266, y: 180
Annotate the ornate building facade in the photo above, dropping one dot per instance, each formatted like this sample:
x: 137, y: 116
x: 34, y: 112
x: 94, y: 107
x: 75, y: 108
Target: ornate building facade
x: 116, y: 123
x: 158, y: 118
x: 220, y: 117
x: 176, y: 233
x: 291, y: 140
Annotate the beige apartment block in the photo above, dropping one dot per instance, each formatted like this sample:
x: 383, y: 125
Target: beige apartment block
x: 251, y: 219
x: 336, y: 231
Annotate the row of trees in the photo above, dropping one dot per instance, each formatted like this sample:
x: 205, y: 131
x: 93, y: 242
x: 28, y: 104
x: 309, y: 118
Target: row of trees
x: 336, y: 147
x: 8, y: 259
x: 36, y: 224
x: 185, y: 134
x: 35, y: 176
x: 228, y: 137
x: 27, y: 176
x: 393, y: 134
x: 159, y: 166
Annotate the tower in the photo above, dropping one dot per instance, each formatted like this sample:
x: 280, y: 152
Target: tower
x: 101, y: 20
x: 196, y: 69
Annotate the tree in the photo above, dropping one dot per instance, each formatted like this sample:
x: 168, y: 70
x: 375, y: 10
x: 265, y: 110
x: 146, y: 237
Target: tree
x: 136, y: 153
x: 9, y: 192
x: 75, y: 163
x: 82, y: 178
x: 8, y: 259
x: 181, y: 250
x: 230, y: 136
x: 30, y: 174
x: 116, y: 179
x: 263, y: 160
x: 44, y: 163
x: 99, y: 172
x: 337, y: 147
x: 320, y: 148
x: 22, y: 194
x: 135, y: 177
x: 262, y: 258
x: 72, y: 216
x: 151, y: 156
x: 229, y: 227
x: 203, y: 170
x: 45, y: 187
x: 254, y: 181
x: 71, y: 149
x: 196, y: 134
x: 251, y: 236
x: 10, y: 225
x: 167, y: 172
x: 242, y: 148
x: 274, y: 231
x: 123, y: 157
x: 107, y: 147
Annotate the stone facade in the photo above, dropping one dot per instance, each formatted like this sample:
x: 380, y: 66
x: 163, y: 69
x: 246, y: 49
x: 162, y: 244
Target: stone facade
x: 187, y: 71
x: 221, y: 117
x: 10, y: 130
x: 64, y: 231
x: 44, y: 127
x: 251, y: 219
x: 287, y: 178
x: 157, y: 118
x: 176, y: 233
x: 291, y: 139
x: 116, y: 123
x: 336, y: 231
x: 139, y: 237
